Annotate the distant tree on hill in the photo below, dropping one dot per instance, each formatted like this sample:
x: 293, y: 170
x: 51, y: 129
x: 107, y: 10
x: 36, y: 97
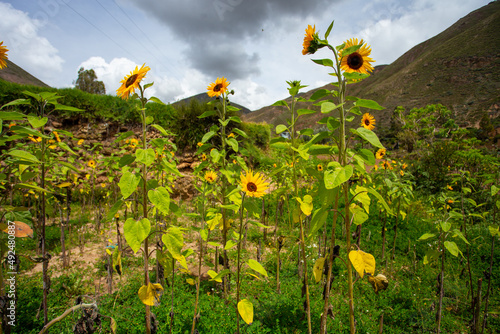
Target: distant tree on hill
x: 87, y: 82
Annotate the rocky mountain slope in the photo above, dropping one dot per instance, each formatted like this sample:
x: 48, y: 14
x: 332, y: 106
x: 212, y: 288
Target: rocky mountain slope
x: 16, y: 74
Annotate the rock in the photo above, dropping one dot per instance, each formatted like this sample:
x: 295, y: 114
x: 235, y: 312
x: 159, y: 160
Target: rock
x: 183, y: 166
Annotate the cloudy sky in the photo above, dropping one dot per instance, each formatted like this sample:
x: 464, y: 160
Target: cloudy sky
x: 255, y: 44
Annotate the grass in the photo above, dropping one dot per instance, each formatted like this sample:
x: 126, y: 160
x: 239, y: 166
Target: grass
x: 408, y: 305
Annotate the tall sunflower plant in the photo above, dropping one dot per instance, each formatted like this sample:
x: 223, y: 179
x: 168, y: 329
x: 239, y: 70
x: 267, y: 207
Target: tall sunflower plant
x: 36, y: 160
x: 227, y: 178
x: 296, y: 153
x: 220, y: 148
x: 350, y: 64
x: 138, y: 232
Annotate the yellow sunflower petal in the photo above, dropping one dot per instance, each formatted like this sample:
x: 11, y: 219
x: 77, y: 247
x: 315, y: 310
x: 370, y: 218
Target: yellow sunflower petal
x: 217, y: 88
x: 131, y: 82
x: 357, y: 61
x: 3, y: 55
x: 368, y: 121
x: 253, y: 185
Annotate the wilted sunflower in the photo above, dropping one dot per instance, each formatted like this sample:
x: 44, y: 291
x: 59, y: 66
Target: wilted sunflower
x: 368, y: 121
x: 131, y: 82
x: 253, y: 185
x: 380, y: 153
x: 91, y: 163
x: 357, y: 61
x: 210, y: 176
x: 3, y: 55
x: 386, y: 165
x: 218, y: 87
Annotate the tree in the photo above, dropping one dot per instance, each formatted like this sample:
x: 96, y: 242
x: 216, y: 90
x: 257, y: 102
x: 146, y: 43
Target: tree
x: 87, y: 82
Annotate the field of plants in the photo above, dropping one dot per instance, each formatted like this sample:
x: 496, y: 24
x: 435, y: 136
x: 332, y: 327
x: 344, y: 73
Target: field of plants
x: 326, y: 230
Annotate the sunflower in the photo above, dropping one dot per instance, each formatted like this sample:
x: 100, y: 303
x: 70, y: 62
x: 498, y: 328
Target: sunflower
x: 80, y: 142
x: 218, y: 87
x: 357, y: 61
x: 310, y: 44
x: 368, y: 121
x: 386, y: 165
x: 210, y: 176
x: 200, y: 144
x: 131, y: 82
x: 404, y: 166
x: 3, y: 55
x: 253, y: 185
x: 204, y: 157
x: 57, y: 136
x: 380, y: 153
x: 320, y: 167
x: 231, y: 135
x: 91, y: 163
x: 402, y: 173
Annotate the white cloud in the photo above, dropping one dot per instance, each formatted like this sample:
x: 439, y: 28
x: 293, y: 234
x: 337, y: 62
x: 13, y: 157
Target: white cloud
x: 26, y: 47
x: 166, y: 88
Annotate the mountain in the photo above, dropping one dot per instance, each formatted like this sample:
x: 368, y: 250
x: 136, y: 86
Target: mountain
x: 15, y: 74
x: 203, y: 98
x: 459, y: 68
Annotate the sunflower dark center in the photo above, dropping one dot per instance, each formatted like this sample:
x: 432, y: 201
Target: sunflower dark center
x: 355, y: 61
x: 367, y: 121
x: 217, y: 88
x: 131, y: 80
x: 252, y: 187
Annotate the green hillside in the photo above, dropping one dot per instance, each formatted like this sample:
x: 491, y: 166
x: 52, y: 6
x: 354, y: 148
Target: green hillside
x: 458, y: 68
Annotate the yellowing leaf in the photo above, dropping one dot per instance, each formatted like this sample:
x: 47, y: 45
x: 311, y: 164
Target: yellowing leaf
x: 213, y: 276
x: 364, y: 263
x: 117, y: 261
x: 136, y: 231
x: 64, y: 185
x: 306, y: 205
x: 19, y: 229
x: 218, y: 277
x: 150, y: 294
x: 113, y: 325
x: 359, y: 215
x: 318, y: 269
x: 362, y: 197
x: 257, y: 267
x: 245, y: 308
x: 212, y: 223
x: 378, y: 282
x: 190, y: 281
x: 174, y: 241
x: 108, y: 251
x: 493, y: 231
